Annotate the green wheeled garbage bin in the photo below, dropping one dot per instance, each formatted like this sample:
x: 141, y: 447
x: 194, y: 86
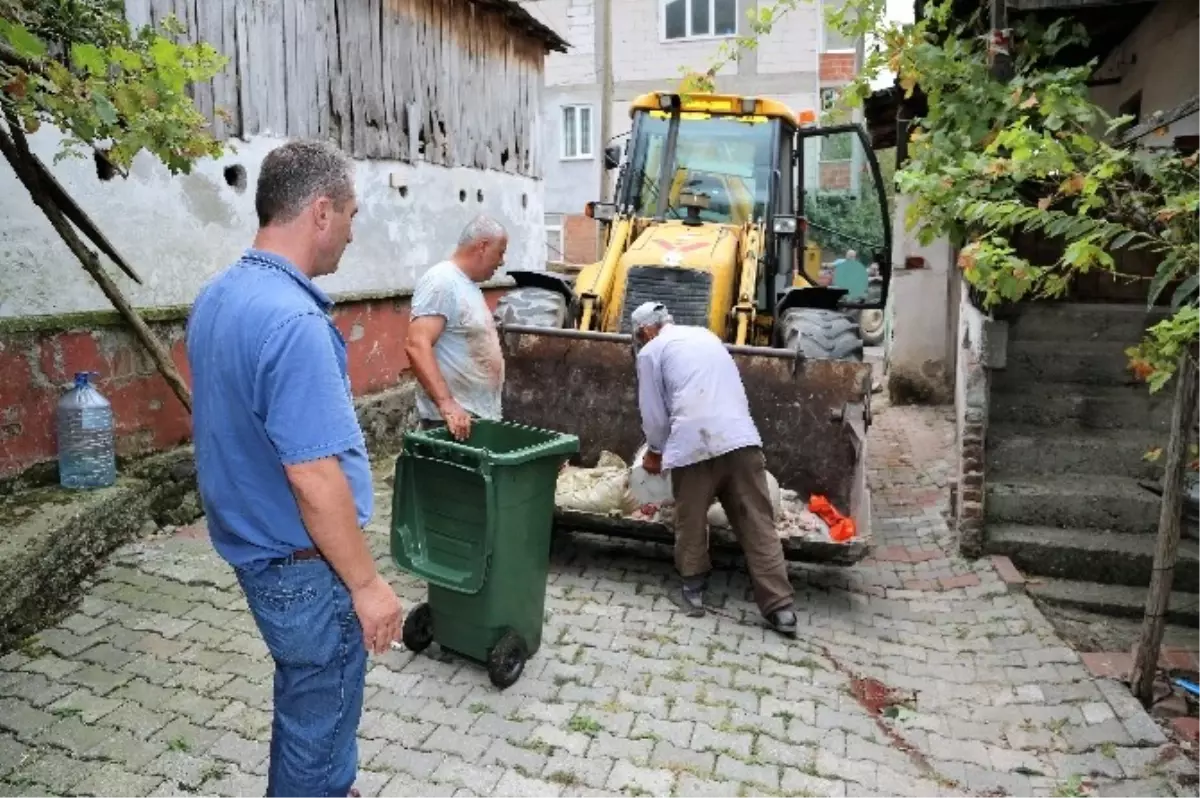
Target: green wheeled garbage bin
x: 474, y: 520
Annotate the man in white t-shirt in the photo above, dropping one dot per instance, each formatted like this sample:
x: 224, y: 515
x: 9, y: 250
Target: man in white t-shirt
x: 452, y: 343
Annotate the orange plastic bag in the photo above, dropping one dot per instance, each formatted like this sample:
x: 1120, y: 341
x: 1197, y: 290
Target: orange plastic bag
x: 841, y: 528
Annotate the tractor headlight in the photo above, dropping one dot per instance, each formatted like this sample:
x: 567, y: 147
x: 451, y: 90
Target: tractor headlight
x: 784, y: 225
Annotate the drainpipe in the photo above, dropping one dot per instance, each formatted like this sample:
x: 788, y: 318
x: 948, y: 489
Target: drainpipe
x: 603, y: 18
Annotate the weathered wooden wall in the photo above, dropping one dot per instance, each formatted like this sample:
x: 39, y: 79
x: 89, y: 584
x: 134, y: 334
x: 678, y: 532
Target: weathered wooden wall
x: 445, y: 81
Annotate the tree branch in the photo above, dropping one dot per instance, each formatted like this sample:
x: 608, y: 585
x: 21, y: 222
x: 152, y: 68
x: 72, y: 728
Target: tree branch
x: 16, y: 151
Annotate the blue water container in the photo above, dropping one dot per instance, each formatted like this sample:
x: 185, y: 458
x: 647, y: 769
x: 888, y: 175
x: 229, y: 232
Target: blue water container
x: 86, y: 445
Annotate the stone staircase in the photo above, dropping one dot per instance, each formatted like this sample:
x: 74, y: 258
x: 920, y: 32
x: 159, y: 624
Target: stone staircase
x: 1068, y: 430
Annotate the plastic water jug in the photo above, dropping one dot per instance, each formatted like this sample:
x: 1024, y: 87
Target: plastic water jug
x: 86, y: 446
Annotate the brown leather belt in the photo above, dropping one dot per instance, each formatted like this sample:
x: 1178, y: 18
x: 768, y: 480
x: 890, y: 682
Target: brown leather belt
x: 298, y: 556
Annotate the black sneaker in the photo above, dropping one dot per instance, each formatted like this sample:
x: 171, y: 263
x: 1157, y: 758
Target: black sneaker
x: 690, y: 598
x: 783, y: 621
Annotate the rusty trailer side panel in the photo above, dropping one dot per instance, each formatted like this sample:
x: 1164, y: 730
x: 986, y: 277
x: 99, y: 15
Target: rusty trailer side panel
x: 812, y: 416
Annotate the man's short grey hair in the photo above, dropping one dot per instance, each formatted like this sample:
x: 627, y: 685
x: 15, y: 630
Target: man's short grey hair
x: 650, y: 314
x: 295, y: 174
x: 481, y: 228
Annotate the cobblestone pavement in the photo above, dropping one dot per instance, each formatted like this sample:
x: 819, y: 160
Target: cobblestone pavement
x: 159, y: 684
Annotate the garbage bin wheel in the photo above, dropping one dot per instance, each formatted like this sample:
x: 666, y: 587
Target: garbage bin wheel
x: 418, y: 629
x: 506, y: 660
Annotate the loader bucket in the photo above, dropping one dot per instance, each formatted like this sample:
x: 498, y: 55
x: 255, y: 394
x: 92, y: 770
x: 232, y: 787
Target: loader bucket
x: 812, y: 416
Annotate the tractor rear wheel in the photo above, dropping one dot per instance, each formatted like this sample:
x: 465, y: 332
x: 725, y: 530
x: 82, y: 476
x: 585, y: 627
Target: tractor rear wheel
x: 821, y: 334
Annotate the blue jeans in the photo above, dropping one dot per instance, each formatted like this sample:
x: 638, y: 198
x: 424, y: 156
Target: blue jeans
x: 308, y: 623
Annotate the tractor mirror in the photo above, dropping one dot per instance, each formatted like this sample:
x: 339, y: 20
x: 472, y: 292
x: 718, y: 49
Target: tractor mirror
x: 612, y: 156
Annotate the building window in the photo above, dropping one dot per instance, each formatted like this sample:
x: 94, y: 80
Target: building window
x: 698, y: 19
x: 554, y: 238
x: 829, y: 99
x: 832, y: 40
x: 576, y: 131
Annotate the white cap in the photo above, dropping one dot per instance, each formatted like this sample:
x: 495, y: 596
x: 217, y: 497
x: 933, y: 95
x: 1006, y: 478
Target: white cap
x: 650, y: 314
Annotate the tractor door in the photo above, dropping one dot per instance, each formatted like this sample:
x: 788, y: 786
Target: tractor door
x: 844, y: 237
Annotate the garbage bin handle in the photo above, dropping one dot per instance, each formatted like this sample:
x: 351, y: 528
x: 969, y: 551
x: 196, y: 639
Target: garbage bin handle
x: 484, y: 468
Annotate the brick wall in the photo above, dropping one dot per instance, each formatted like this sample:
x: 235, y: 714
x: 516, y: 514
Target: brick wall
x: 837, y: 67
x: 579, y: 239
x: 835, y: 176
x: 39, y: 357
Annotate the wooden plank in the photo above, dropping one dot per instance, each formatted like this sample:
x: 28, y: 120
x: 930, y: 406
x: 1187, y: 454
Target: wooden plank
x: 225, y: 96
x: 137, y: 12
x: 277, y: 87
x: 206, y: 27
x: 325, y: 48
x: 248, y: 118
x: 339, y: 65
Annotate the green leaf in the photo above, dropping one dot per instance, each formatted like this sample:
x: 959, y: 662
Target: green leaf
x: 104, y: 109
x: 89, y: 58
x: 24, y: 43
x: 1123, y: 239
x: 1165, y: 274
x: 1185, y: 291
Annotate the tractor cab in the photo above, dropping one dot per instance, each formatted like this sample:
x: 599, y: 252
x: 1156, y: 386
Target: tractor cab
x: 814, y: 194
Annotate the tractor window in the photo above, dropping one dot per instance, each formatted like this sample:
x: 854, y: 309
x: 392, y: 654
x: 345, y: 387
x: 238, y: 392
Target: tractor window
x: 722, y: 167
x: 843, y: 210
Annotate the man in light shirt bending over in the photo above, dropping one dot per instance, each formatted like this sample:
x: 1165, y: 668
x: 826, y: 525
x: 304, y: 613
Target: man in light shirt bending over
x: 697, y: 425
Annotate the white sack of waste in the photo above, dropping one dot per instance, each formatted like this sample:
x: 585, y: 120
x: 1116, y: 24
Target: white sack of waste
x: 716, y: 513
x: 603, y: 489
x: 648, y: 488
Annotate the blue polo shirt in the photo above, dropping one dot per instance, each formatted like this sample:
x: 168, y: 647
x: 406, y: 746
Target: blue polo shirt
x: 270, y: 389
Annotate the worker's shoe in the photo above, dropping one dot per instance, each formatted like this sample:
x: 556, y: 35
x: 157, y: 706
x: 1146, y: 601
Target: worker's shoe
x: 690, y: 597
x: 783, y: 621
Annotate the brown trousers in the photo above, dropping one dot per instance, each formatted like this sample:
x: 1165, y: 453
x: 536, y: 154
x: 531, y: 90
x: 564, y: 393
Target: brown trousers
x: 737, y: 479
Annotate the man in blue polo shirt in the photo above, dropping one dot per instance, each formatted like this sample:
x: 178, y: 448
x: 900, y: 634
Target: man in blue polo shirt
x: 283, y: 468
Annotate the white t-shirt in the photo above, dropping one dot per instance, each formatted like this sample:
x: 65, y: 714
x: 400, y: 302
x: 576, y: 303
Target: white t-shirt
x: 468, y: 350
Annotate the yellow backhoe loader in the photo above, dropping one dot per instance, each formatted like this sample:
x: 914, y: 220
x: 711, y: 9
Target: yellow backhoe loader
x: 747, y: 218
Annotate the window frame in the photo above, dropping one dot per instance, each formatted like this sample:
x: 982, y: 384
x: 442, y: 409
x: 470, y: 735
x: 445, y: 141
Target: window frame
x: 560, y: 236
x: 689, y: 36
x: 579, y: 139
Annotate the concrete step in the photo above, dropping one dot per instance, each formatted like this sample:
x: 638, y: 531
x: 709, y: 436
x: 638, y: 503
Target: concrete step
x: 1084, y: 363
x: 1117, y: 504
x: 1063, y: 405
x: 1087, y: 554
x: 1061, y: 322
x: 1118, y: 601
x: 1019, y: 450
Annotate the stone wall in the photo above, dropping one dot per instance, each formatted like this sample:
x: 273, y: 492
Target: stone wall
x: 40, y: 355
x: 980, y: 347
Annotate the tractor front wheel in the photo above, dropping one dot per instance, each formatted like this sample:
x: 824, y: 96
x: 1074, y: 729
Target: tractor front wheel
x: 821, y: 334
